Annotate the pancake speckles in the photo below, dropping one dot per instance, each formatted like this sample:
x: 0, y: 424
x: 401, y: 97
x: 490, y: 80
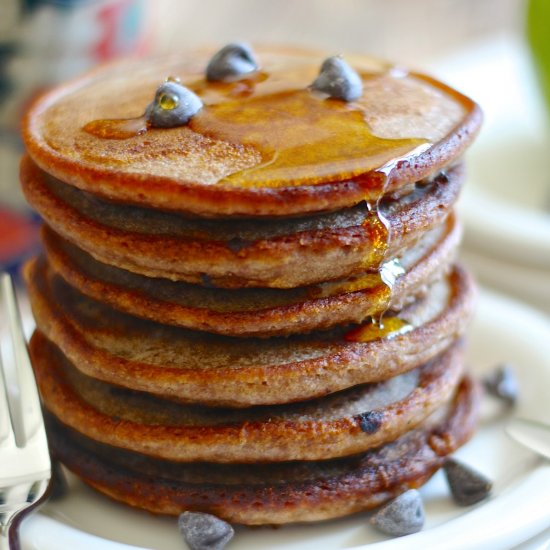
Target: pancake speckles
x: 371, y: 421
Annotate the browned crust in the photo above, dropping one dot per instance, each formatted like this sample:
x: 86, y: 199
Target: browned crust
x: 285, y: 261
x: 345, y: 364
x: 245, y: 441
x: 370, y: 479
x: 220, y: 200
x: 291, y: 318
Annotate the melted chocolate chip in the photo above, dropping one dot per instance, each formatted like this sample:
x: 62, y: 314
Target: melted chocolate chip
x: 370, y: 422
x: 442, y: 177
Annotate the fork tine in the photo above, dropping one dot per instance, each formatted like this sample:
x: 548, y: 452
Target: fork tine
x: 23, y: 397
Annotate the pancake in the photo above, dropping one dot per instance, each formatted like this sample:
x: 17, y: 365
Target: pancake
x: 340, y: 424
x: 216, y: 370
x: 241, y: 253
x: 256, y: 312
x: 273, y: 493
x: 405, y: 127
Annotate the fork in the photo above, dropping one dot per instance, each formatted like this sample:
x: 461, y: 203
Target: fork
x: 25, y: 465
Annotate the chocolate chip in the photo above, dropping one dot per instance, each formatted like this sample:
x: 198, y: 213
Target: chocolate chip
x: 442, y: 177
x: 467, y: 485
x: 206, y: 281
x: 231, y: 62
x: 204, y: 531
x: 502, y: 383
x: 403, y: 515
x: 236, y: 244
x: 174, y: 105
x: 338, y: 80
x: 370, y: 422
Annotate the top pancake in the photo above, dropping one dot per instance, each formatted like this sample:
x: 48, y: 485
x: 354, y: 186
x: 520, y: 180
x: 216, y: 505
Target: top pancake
x: 266, y: 145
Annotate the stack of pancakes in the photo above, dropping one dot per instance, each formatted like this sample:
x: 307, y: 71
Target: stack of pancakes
x: 255, y: 314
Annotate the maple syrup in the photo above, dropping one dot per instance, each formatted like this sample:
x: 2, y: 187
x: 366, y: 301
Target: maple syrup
x: 367, y: 281
x: 385, y: 278
x: 375, y: 329
x: 117, y: 128
x: 302, y: 137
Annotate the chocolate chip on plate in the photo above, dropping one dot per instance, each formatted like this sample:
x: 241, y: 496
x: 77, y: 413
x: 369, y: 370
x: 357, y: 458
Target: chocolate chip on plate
x: 467, y: 485
x: 403, y: 515
x: 204, y: 531
x: 502, y: 383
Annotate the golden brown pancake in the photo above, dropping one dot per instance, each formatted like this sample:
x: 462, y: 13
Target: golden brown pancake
x: 271, y: 253
x: 215, y: 327
x: 256, y: 312
x: 340, y: 424
x: 198, y: 367
x: 318, y: 154
x: 273, y: 493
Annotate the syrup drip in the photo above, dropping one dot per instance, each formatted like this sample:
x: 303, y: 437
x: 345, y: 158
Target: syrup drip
x: 388, y: 272
x: 212, y: 92
x: 378, y: 283
x: 374, y: 330
x: 117, y: 128
x: 369, y: 281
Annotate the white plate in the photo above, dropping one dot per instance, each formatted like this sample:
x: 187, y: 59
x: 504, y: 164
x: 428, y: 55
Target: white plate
x: 506, y: 202
x: 512, y: 279
x: 519, y: 508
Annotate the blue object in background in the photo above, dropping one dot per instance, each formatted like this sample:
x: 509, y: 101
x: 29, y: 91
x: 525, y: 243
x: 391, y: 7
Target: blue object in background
x: 19, y: 239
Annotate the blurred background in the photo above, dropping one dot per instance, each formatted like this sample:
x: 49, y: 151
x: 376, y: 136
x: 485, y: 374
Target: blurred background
x: 494, y: 50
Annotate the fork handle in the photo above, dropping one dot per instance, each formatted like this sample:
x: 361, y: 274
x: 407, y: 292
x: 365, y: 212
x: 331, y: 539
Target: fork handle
x: 9, y: 537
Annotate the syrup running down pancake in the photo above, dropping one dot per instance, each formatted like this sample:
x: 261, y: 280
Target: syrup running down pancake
x: 247, y: 303
x: 270, y: 253
x: 197, y: 367
x: 259, y: 311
